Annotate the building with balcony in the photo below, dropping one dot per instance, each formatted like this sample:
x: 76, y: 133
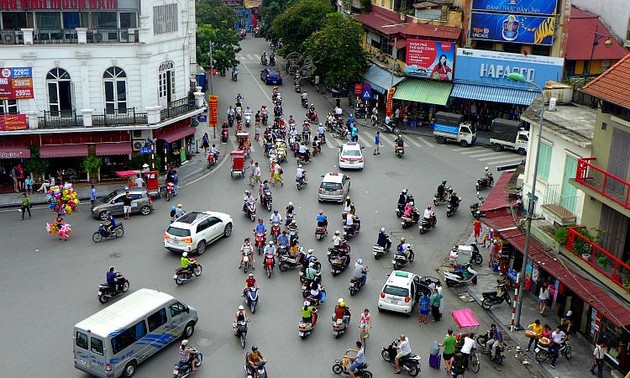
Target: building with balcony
x: 104, y: 78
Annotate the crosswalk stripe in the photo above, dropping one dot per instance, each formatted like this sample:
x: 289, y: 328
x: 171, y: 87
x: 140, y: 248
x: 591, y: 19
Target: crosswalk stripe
x: 412, y: 141
x: 495, y: 157
x: 330, y: 142
x: 428, y: 143
x: 502, y: 159
x: 365, y: 142
x: 468, y: 151
x: 385, y: 138
x: 486, y: 154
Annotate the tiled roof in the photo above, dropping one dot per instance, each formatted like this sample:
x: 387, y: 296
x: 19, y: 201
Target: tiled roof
x: 498, y: 198
x: 432, y: 31
x: 612, y: 85
x: 582, y: 26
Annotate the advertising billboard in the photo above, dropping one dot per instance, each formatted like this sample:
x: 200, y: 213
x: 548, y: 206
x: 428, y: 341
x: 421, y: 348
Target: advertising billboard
x: 16, y: 83
x: 512, y: 28
x: 544, y: 7
x: 11, y: 122
x: 430, y: 59
x: 491, y: 68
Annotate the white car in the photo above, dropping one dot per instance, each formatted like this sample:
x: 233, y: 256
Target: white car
x: 399, y: 292
x: 334, y: 187
x: 350, y: 156
x: 192, y: 232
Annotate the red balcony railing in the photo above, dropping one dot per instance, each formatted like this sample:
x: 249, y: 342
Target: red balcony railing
x: 597, y: 257
x: 606, y: 184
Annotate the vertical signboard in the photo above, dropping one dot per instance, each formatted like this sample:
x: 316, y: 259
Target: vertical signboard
x: 389, y: 105
x: 213, y: 110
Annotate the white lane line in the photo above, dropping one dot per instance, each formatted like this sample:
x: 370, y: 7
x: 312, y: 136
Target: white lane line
x: 487, y: 154
x: 496, y: 157
x: 412, y: 141
x: 386, y: 140
x: 427, y: 143
x: 469, y: 151
x: 330, y: 142
x: 262, y: 89
x: 365, y: 141
x: 505, y: 161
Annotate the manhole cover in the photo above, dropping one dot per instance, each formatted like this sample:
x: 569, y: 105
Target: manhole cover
x: 392, y: 174
x: 116, y: 255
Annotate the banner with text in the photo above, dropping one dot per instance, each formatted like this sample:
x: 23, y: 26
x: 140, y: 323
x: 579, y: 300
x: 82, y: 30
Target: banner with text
x: 512, y: 28
x: 213, y: 110
x: 16, y: 83
x: 544, y: 7
x: 12, y: 122
x: 430, y: 59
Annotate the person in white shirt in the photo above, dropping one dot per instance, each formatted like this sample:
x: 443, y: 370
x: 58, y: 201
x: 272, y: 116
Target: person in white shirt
x: 404, y: 349
x: 469, y: 344
x: 428, y: 213
x: 139, y: 182
x: 299, y: 173
x: 338, y: 111
x: 557, y: 338
x: 336, y: 239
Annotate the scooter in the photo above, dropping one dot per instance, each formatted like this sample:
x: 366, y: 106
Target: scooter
x: 272, y: 60
x: 399, y: 151
x: 265, y: 118
x: 263, y: 60
x: 301, y: 182
x: 106, y: 292
x: 320, y: 232
x: 491, y: 298
x: 261, y: 242
x: 117, y: 232
x: 451, y: 209
x: 267, y: 200
x: 475, y: 207
x: 305, y: 328
x: 401, y: 260
x: 248, y: 120
x: 270, y: 262
x: 461, y: 276
x: 543, y: 353
x: 275, y: 231
x: 355, y: 285
x: 259, y: 372
x: 339, y: 264
x: 390, y: 128
x: 379, y: 251
x: 437, y: 201
x: 350, y: 231
x: 498, y: 356
x: 231, y: 120
x: 184, y: 369
x: 170, y: 190
x: 339, y: 326
x: 186, y: 274
x: 339, y: 368
x: 250, y: 211
x: 485, y: 182
x: 211, y: 161
x: 427, y: 224
x: 288, y: 262
x: 240, y: 329
x: 234, y: 75
x: 312, y: 117
x: 298, y: 88
x: 251, y: 298
x: 409, y: 363
x: 407, y: 222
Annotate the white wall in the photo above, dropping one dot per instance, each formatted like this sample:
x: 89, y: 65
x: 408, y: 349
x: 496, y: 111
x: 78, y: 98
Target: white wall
x: 613, y: 13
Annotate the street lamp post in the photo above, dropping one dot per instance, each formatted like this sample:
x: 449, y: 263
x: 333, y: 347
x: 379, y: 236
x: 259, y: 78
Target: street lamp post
x: 596, y: 37
x: 516, y: 321
x: 214, y: 129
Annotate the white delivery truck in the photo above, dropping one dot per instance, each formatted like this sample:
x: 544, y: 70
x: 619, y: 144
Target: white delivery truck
x: 450, y: 127
x: 511, y: 135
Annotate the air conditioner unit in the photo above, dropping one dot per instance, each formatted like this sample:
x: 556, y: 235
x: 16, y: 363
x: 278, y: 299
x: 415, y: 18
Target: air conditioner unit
x: 9, y: 39
x: 138, y: 144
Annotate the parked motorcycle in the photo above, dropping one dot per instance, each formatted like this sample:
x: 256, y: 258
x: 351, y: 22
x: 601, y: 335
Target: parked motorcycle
x: 270, y: 262
x: 118, y: 231
x: 339, y: 368
x: 106, y: 292
x: 543, y: 353
x: 241, y: 331
x: 186, y: 274
x: 184, y: 369
x: 409, y: 363
x: 461, y: 276
x: 251, y: 298
x: 250, y: 211
x: 401, y: 260
x: 320, y: 232
x: 498, y: 356
x: 476, y: 256
x: 427, y: 224
x: 485, y: 182
x: 491, y: 298
x: 475, y: 207
x: 390, y: 128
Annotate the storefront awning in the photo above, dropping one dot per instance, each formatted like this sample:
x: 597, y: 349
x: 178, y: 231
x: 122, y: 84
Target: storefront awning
x: 425, y: 91
x: 14, y: 152
x: 178, y: 134
x: 381, y: 79
x: 64, y: 150
x: 493, y: 94
x: 109, y: 149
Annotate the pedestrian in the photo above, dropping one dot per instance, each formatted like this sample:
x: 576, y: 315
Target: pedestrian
x: 543, y: 296
x: 354, y: 132
x: 448, y: 344
x: 557, y: 338
x: 377, y: 143
x: 477, y: 227
x: 139, y: 182
x: 435, y: 300
x: 250, y: 171
x: 26, y: 205
x: 127, y: 205
x: 397, y: 115
x: 439, y: 288
x: 205, y: 143
x: 175, y: 183
x: 12, y: 174
x: 19, y: 172
x: 425, y: 304
x: 277, y: 175
x: 534, y: 334
x: 599, y: 353
x: 257, y: 174
x: 28, y: 185
x: 92, y: 196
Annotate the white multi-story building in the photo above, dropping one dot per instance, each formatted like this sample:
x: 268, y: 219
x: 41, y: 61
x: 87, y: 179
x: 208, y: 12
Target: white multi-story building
x: 85, y: 73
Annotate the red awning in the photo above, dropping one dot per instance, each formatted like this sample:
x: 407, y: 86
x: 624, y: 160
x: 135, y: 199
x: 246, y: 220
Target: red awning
x: 14, y: 152
x: 108, y: 149
x: 400, y: 43
x: 65, y: 150
x: 178, y: 134
x: 582, y: 28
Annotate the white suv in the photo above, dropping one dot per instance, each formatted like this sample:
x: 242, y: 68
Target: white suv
x: 195, y: 230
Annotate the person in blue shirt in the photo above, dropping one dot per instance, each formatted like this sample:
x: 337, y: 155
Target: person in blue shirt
x: 496, y: 338
x: 260, y: 227
x: 176, y: 182
x: 354, y: 133
x: 275, y: 217
x: 112, y: 277
x: 322, y: 220
x: 283, y: 240
x: 358, y: 360
x: 110, y: 223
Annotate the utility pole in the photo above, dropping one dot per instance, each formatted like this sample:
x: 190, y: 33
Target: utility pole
x: 214, y: 129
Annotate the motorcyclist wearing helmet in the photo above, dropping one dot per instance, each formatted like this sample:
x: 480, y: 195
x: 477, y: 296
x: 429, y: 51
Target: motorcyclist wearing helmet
x: 454, y: 201
x: 114, y: 279
x: 429, y: 214
x: 110, y: 223
x: 187, y: 263
x: 186, y: 355
x: 250, y: 282
x: 179, y: 211
x: 383, y: 239
x: 248, y: 200
x: 311, y: 110
x: 263, y: 192
x: 300, y: 173
x: 311, y: 272
x: 254, y: 358
x: 400, y: 143
x: 283, y: 240
x: 260, y: 227
x: 275, y: 217
x: 409, y: 209
x: 441, y: 191
x: 402, y: 199
x: 289, y: 213
x: 403, y: 248
x: 336, y: 239
x: 240, y: 316
x: 322, y: 220
x: 247, y: 250
x: 270, y: 249
x: 309, y: 313
x: 321, y: 132
x: 360, y: 271
x: 348, y: 206
x: 341, y: 312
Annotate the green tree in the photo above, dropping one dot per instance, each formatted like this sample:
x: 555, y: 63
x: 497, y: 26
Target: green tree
x: 214, y: 13
x: 224, y: 47
x: 269, y: 9
x: 336, y: 50
x: 298, y: 22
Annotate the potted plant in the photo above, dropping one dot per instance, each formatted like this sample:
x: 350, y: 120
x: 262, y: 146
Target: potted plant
x: 92, y: 165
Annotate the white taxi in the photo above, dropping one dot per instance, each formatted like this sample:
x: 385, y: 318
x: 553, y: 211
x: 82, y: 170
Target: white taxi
x: 399, y: 292
x: 350, y: 156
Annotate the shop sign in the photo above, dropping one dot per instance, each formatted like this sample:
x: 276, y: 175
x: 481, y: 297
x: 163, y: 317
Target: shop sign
x: 492, y: 67
x: 504, y: 27
x: 146, y: 150
x: 57, y: 4
x: 512, y: 275
x: 389, y: 105
x: 16, y: 83
x: 546, y: 7
x: 213, y: 110
x: 430, y: 59
x: 12, y: 122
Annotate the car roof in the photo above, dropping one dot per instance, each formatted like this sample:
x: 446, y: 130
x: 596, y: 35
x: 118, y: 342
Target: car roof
x: 195, y: 217
x: 400, y: 278
x: 333, y: 177
x: 351, y: 146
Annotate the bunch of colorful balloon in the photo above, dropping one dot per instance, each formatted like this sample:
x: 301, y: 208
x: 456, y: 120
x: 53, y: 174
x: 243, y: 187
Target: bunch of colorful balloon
x: 62, y: 199
x: 63, y: 230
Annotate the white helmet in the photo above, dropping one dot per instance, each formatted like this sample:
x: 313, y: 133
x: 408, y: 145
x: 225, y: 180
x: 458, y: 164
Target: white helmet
x: 299, y: 165
x: 270, y: 242
x: 485, y: 169
x: 382, y: 229
x: 184, y: 342
x: 306, y: 303
x: 310, y: 251
x: 185, y: 254
x: 290, y: 203
x: 360, y: 261
x: 340, y: 300
x: 241, y: 308
x: 569, y: 313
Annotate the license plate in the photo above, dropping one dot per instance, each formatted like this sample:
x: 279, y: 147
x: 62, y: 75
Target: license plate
x: 175, y: 371
x: 394, y: 301
x: 175, y: 276
x: 301, y: 333
x: 99, y: 293
x: 537, y: 350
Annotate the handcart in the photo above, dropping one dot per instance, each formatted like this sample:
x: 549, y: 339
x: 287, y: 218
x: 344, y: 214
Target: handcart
x: 238, y: 163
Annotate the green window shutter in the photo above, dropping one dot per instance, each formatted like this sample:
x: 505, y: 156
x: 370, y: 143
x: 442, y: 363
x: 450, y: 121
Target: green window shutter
x: 544, y: 161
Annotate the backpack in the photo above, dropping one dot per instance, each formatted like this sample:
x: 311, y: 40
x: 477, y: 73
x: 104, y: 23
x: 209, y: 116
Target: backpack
x: 458, y: 365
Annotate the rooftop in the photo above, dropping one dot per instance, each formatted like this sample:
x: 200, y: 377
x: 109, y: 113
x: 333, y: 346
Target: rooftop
x: 612, y: 85
x: 582, y: 28
x: 571, y: 122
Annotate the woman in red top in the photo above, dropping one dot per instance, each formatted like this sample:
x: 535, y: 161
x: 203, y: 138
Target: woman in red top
x: 441, y: 70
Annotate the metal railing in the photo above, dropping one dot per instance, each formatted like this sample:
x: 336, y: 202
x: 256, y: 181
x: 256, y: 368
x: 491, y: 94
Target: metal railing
x: 54, y: 36
x: 11, y: 37
x: 598, y: 258
x: 126, y: 116
x: 177, y: 107
x: 553, y: 196
x: 604, y: 183
x: 59, y: 119
x: 112, y: 36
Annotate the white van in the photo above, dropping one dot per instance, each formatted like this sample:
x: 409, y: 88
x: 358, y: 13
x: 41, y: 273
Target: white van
x: 112, y: 342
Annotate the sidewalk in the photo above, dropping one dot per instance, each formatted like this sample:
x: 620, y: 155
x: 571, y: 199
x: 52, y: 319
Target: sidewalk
x: 194, y: 165
x: 582, y: 358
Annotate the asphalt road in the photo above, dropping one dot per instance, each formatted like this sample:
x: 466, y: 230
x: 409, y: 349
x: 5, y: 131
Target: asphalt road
x: 49, y: 285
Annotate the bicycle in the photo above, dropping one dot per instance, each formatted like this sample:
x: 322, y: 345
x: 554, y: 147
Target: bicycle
x: 473, y: 362
x: 364, y: 335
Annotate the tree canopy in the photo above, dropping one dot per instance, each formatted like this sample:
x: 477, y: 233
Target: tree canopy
x: 298, y: 22
x: 215, y: 13
x: 269, y: 9
x: 336, y: 50
x: 215, y: 22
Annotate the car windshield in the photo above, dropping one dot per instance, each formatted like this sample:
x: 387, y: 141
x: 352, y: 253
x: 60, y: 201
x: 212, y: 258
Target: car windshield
x: 110, y: 196
x: 396, y: 290
x: 331, y: 186
x: 175, y: 231
x: 351, y: 153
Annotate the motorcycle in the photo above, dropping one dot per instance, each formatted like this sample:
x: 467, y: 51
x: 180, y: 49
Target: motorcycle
x: 437, y: 201
x: 476, y: 256
x: 350, y: 231
x: 427, y: 224
x: 259, y: 372
x: 261, y: 241
x: 298, y: 88
x: 355, y: 286
x: 409, y: 363
x: 312, y: 117
x: 407, y: 222
x: 265, y: 118
x: 543, y: 353
x: 246, y: 263
x: 485, y: 182
x: 451, y: 209
x: 272, y: 60
x: 184, y: 369
x: 231, y: 120
x: 491, y: 298
x: 275, y: 231
x: 288, y: 262
x: 379, y: 251
x: 270, y: 262
x: 339, y: 326
x: 234, y: 75
x: 170, y: 189
x: 251, y: 298
x: 289, y: 219
x: 399, y: 151
x: 211, y: 161
x: 401, y: 260
x: 267, y: 200
x: 498, y: 356
x: 186, y: 274
x: 304, y: 102
x: 305, y: 328
x: 390, y: 128
x: 475, y: 207
x: 241, y: 331
x: 320, y: 232
x: 106, y: 292
x: 339, y: 264
x: 263, y: 60
x: 461, y: 276
x: 117, y: 232
x: 301, y: 182
x: 248, y: 120
x: 250, y: 211
x: 340, y: 368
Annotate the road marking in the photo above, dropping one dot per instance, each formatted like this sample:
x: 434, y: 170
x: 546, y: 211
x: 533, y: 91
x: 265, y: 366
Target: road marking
x: 470, y: 151
x: 495, y: 154
x: 331, y: 142
x: 258, y: 83
x: 366, y: 142
x: 387, y: 140
x: 412, y: 141
x: 427, y: 142
x: 505, y: 161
